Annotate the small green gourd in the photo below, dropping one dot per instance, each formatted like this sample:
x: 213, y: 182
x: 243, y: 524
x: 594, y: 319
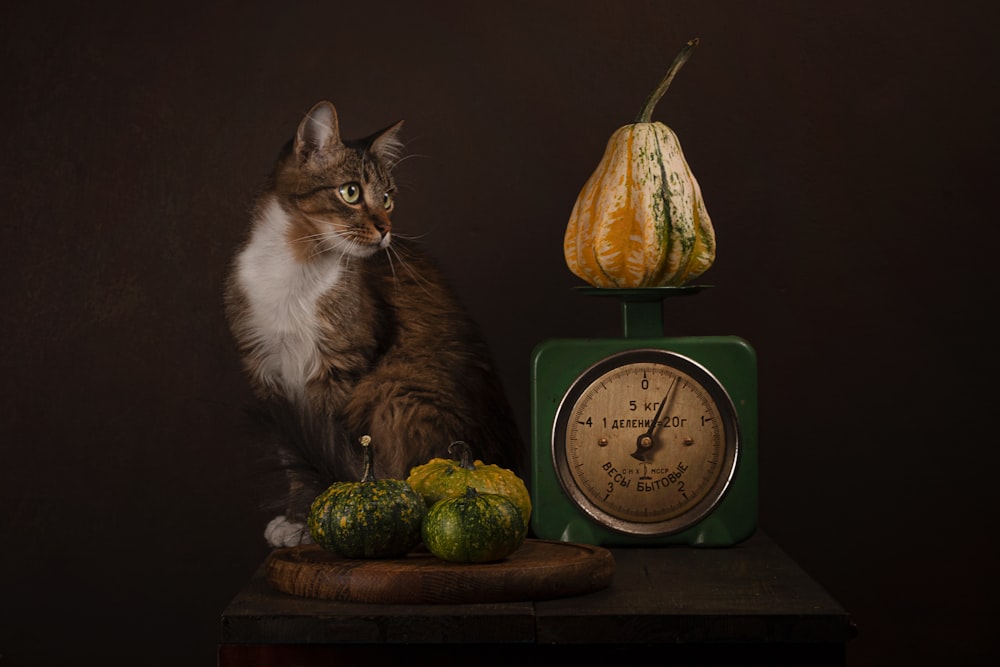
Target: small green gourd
x: 473, y: 528
x: 372, y: 518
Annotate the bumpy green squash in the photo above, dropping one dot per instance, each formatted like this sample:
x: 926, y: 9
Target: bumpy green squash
x: 640, y: 219
x: 473, y: 528
x: 446, y: 478
x: 373, y: 518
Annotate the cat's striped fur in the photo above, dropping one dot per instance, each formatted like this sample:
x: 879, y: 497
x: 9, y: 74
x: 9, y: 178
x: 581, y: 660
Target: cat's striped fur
x: 346, y: 330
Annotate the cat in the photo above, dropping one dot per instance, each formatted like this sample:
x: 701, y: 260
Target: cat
x: 346, y: 329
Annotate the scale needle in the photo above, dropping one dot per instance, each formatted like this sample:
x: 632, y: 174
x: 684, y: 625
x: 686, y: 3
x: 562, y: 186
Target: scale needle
x: 645, y: 440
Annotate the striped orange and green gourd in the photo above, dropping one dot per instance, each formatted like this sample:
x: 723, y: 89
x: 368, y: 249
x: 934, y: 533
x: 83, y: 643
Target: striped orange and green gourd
x: 640, y: 219
x: 473, y: 527
x: 372, y: 518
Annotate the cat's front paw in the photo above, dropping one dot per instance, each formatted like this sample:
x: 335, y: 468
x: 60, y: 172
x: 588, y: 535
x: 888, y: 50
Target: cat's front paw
x: 281, y: 532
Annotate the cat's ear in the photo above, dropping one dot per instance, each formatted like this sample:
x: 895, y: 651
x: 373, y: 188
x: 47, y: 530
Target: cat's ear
x: 318, y: 131
x: 387, y: 145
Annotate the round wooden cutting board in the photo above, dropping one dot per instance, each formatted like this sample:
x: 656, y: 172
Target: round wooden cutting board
x: 538, y: 570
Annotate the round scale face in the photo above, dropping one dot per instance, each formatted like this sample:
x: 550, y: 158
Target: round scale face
x: 645, y: 442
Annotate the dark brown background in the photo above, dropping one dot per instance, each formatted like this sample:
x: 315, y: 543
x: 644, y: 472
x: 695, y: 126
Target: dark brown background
x: 846, y: 152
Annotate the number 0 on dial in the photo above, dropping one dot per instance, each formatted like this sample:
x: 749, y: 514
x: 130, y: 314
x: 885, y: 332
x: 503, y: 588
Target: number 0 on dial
x: 646, y: 442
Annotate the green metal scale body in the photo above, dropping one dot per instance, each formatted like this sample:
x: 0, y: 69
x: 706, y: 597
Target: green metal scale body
x: 644, y: 439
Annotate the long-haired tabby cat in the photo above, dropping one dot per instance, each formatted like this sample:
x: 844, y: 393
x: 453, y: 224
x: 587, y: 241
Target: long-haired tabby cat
x: 346, y: 329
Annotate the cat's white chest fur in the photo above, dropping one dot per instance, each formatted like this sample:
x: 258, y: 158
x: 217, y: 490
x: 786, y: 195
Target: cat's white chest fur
x: 282, y: 293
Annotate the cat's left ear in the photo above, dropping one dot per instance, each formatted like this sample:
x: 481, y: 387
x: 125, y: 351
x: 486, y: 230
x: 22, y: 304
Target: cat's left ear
x: 318, y: 131
x: 386, y: 144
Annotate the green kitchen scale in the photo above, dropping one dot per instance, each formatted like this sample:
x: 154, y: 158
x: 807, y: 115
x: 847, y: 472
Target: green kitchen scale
x: 644, y: 439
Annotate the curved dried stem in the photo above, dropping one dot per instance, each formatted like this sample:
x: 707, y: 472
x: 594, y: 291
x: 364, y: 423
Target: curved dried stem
x: 646, y: 113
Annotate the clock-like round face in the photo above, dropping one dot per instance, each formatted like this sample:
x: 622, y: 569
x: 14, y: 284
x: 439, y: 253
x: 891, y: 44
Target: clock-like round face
x: 645, y: 442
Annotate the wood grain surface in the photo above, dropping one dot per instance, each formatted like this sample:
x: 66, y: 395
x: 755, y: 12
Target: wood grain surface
x: 538, y: 570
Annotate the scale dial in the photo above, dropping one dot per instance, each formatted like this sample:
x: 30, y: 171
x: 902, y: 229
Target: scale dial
x: 646, y: 442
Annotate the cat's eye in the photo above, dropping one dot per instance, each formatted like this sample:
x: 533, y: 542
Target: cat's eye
x: 387, y: 201
x: 351, y: 192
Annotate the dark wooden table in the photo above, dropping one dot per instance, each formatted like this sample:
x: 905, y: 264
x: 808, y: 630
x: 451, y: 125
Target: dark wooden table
x: 714, y: 605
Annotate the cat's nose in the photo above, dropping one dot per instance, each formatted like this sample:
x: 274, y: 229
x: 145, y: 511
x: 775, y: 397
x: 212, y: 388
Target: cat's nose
x: 383, y: 227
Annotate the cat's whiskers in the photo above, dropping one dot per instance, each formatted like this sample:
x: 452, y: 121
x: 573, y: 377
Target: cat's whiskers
x: 389, y: 250
x: 418, y: 280
x: 309, y: 238
x: 404, y: 158
x: 326, y: 222
x: 410, y: 237
x: 320, y: 243
x: 319, y: 251
x: 328, y: 241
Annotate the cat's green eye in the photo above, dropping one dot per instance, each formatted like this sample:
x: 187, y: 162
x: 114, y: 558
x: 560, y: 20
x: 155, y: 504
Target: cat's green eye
x: 387, y: 201
x: 351, y: 192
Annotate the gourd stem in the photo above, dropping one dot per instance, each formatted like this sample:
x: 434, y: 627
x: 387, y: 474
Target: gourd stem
x: 465, y: 454
x: 646, y: 113
x: 369, y: 473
